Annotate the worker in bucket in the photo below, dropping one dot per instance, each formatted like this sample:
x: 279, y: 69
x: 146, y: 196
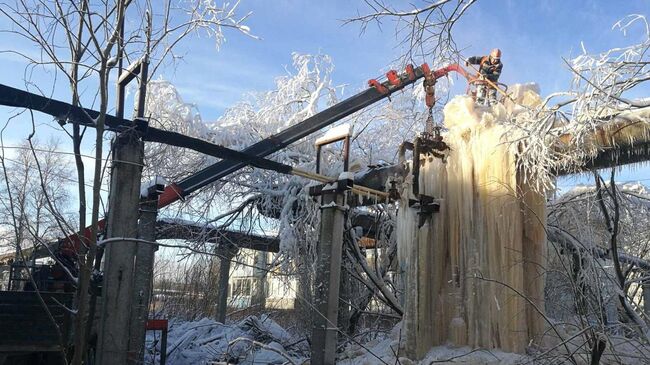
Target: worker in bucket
x: 489, y: 69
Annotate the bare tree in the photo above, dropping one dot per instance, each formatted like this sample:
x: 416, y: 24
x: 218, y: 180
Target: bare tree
x: 28, y: 181
x: 423, y: 31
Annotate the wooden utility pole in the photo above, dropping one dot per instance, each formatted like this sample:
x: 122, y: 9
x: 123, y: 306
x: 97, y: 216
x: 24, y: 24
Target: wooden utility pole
x: 117, y: 289
x: 328, y: 276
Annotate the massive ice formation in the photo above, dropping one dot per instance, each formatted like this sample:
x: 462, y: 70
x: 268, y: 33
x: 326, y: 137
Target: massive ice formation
x: 474, y: 270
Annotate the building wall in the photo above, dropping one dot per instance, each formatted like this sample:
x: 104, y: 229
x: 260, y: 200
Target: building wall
x: 280, y: 290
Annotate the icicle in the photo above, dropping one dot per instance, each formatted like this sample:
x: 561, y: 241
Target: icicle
x: 469, y: 266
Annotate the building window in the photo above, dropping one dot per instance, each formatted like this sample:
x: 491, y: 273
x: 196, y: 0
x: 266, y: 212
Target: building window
x: 241, y: 287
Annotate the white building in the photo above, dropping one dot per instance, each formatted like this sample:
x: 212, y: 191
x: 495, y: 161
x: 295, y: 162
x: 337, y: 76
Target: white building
x: 247, y: 279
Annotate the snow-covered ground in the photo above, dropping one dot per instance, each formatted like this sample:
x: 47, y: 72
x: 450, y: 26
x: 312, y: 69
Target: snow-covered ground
x: 260, y: 340
x: 254, y: 340
x: 386, y: 351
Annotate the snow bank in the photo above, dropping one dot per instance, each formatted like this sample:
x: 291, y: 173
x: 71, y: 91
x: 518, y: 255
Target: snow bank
x: 254, y: 340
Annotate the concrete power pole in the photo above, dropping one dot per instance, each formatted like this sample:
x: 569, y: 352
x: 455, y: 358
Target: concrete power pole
x: 258, y: 297
x: 143, y: 274
x: 226, y: 254
x: 328, y: 276
x: 114, y: 340
x: 117, y: 290
x: 346, y: 293
x: 145, y: 253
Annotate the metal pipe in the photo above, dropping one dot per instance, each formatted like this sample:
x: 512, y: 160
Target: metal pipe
x: 346, y: 153
x: 142, y: 88
x: 318, y: 151
x: 119, y: 109
x: 416, y: 166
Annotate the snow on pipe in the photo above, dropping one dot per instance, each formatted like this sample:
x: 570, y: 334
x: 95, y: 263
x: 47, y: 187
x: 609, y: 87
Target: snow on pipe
x: 624, y: 139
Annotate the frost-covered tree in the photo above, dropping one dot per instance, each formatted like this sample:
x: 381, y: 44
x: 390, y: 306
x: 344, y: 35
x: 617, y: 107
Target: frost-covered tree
x: 261, y: 201
x: 598, y: 264
x: 600, y: 110
x: 301, y: 93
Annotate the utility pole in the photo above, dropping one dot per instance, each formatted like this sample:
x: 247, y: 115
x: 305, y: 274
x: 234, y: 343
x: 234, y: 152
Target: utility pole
x: 258, y: 297
x: 328, y: 273
x: 114, y: 340
x: 225, y: 256
x: 143, y: 273
x: 145, y: 252
x: 122, y: 225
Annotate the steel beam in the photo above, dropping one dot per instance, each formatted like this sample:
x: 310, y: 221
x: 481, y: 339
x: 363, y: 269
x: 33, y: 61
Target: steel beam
x: 225, y: 238
x: 294, y: 133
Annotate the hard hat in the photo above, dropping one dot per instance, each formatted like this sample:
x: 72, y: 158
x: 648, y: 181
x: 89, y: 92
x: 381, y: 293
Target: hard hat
x: 496, y: 53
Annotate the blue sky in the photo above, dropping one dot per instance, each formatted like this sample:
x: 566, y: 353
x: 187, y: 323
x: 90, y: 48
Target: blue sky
x: 534, y: 36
